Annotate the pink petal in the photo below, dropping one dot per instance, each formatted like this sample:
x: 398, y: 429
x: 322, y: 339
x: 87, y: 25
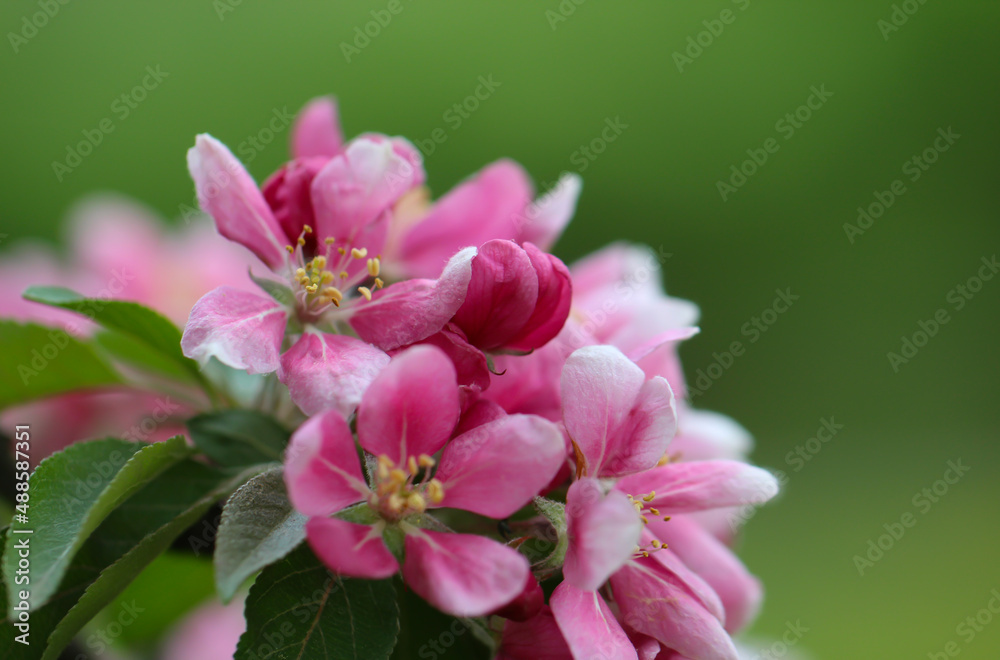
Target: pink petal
x: 228, y: 193
x: 409, y: 311
x: 322, y: 470
x: 470, y: 363
x: 555, y: 294
x: 356, y: 188
x: 546, y: 219
x: 240, y: 329
x: 501, y: 296
x: 621, y: 422
x: 677, y: 572
x: 588, y: 625
x: 705, y: 435
x: 412, y: 407
x: 324, y: 371
x: 316, y: 131
x: 652, y: 604
x: 496, y: 468
x: 472, y: 213
x: 740, y: 592
x: 699, y: 485
x: 538, y: 638
x: 351, y: 549
x: 604, y: 531
x: 528, y: 603
x: 463, y: 574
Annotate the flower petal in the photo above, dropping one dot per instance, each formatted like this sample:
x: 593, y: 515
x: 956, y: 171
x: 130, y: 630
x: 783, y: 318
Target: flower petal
x: 227, y: 192
x: 621, y: 422
x: 502, y: 294
x: 497, y: 467
x: 548, y: 216
x: 589, y: 626
x: 409, y: 311
x: 652, y: 604
x: 475, y: 211
x: 239, y: 328
x: 538, y: 638
x: 463, y: 574
x: 740, y: 592
x: 324, y: 371
x: 322, y: 470
x: 699, y: 485
x: 356, y: 187
x: 705, y: 435
x: 555, y: 295
x: 412, y: 407
x: 351, y: 549
x: 316, y: 131
x: 604, y: 530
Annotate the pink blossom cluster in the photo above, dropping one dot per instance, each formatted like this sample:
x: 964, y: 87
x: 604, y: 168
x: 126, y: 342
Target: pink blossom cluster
x: 509, y: 434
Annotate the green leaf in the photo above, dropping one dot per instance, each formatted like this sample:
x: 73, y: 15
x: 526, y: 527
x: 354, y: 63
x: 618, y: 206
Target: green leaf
x: 170, y: 495
x: 72, y: 492
x: 239, y: 437
x: 126, y: 349
x: 259, y: 527
x: 298, y: 609
x: 113, y: 579
x: 39, y: 361
x: 133, y: 319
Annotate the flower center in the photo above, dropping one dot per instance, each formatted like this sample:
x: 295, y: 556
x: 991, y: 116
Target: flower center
x: 398, y: 493
x: 320, y: 282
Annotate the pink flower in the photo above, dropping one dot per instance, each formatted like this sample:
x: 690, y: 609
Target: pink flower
x: 538, y: 638
x: 620, y: 425
x: 331, y: 284
x: 210, y: 632
x: 405, y: 417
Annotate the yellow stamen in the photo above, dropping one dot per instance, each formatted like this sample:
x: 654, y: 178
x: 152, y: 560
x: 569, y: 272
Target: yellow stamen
x: 359, y: 253
x: 650, y: 497
x: 329, y: 240
x: 435, y: 491
x: 373, y: 267
x: 412, y: 464
x: 319, y: 263
x: 379, y: 283
x: 416, y: 502
x: 343, y: 274
x: 307, y: 229
x: 302, y: 241
x: 342, y: 251
x: 426, y: 461
x: 366, y: 292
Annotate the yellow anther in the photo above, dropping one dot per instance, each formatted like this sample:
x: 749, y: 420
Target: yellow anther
x: 397, y: 476
x: 396, y: 503
x: 379, y: 283
x: 638, y: 506
x: 373, y: 267
x: 416, y: 502
x: 359, y: 253
x: 307, y: 229
x: 326, y: 277
x: 666, y: 518
x: 334, y: 294
x: 653, y: 511
x: 290, y: 249
x: 435, y: 491
x: 650, y: 497
x: 300, y: 273
x: 314, y: 279
x: 366, y: 292
x: 656, y: 544
x: 319, y: 263
x: 312, y: 288
x: 426, y: 461
x: 301, y: 241
x: 411, y: 463
x: 384, y: 465
x: 329, y: 240
x: 342, y: 251
x: 343, y: 274
x: 645, y: 520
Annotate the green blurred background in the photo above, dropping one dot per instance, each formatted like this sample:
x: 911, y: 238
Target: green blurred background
x: 559, y: 81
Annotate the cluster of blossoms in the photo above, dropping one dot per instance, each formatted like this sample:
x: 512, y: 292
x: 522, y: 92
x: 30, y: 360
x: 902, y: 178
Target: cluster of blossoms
x: 509, y: 434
